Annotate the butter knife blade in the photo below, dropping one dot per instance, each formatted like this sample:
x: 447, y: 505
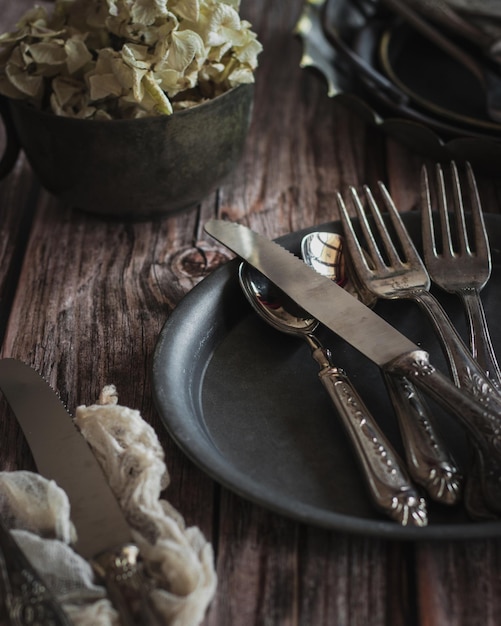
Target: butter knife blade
x: 372, y: 336
x: 62, y: 454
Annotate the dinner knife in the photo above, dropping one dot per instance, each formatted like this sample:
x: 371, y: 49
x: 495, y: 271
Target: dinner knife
x: 375, y: 338
x: 62, y: 454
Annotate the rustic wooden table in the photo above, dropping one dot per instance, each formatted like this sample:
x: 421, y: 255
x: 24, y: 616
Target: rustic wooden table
x: 83, y: 300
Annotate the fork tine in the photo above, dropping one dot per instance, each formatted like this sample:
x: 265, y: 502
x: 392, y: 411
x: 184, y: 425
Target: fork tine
x: 464, y: 245
x: 357, y: 256
x: 373, y: 248
x: 408, y: 247
x: 481, y: 240
x: 427, y: 226
x: 445, y: 226
x: 391, y: 251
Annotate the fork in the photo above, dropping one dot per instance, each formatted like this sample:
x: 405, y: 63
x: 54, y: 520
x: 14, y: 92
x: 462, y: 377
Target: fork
x: 465, y: 271
x: 404, y: 276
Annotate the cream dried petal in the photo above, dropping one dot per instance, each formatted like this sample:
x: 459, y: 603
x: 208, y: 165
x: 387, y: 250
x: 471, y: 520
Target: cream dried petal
x: 77, y: 54
x: 28, y: 84
x: 103, y: 86
x: 104, y: 61
x: 216, y: 53
x: 147, y: 11
x: 163, y: 41
x: 210, y: 72
x: 169, y: 80
x: 240, y: 76
x: 129, y: 57
x: 249, y: 52
x: 113, y: 8
x: 224, y: 25
x: 69, y: 97
x: 126, y: 75
x: 186, y: 9
x: 162, y: 102
x: 129, y: 77
x: 35, y: 15
x: 50, y: 52
x: 186, y: 46
x: 66, y: 90
x: 97, y: 114
x: 13, y: 37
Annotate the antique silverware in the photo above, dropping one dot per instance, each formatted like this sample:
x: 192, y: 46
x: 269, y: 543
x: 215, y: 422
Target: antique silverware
x: 387, y: 480
x: 371, y: 335
x: 24, y: 595
x: 407, y: 277
x: 62, y: 454
x: 462, y: 269
x: 429, y: 462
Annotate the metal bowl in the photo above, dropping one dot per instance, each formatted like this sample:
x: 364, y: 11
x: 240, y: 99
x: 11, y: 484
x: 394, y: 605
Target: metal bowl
x: 137, y: 168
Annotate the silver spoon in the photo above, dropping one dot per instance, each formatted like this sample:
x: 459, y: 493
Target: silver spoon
x: 388, y: 482
x: 430, y: 463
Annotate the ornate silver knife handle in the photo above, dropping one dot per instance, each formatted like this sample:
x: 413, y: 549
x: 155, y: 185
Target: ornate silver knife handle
x: 26, y: 598
x: 121, y: 572
x: 389, y: 483
x: 479, y: 414
x: 428, y: 459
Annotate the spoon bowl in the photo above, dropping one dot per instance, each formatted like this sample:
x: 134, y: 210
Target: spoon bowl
x: 324, y: 252
x: 267, y: 301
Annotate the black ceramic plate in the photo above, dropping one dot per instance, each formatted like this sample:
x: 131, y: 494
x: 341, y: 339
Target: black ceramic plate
x: 244, y: 403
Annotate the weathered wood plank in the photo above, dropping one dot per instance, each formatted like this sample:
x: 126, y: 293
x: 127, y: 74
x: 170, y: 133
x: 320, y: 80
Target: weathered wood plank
x: 92, y: 296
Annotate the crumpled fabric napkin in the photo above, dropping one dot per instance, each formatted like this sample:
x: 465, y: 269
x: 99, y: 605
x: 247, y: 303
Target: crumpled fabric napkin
x: 178, y: 560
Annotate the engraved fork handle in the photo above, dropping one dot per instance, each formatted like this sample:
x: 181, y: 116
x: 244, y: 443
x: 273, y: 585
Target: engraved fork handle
x: 26, y: 598
x: 428, y: 459
x: 480, y: 340
x: 479, y: 416
x: 388, y: 481
x: 468, y: 375
x: 464, y: 369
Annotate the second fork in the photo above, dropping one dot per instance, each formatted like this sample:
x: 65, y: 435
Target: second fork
x: 463, y: 269
x: 402, y: 274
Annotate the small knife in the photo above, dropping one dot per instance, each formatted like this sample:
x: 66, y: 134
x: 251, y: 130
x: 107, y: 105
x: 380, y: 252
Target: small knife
x: 62, y: 454
x: 371, y: 335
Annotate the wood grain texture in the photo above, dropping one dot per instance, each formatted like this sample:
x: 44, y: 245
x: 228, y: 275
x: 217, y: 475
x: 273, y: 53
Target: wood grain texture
x: 83, y: 300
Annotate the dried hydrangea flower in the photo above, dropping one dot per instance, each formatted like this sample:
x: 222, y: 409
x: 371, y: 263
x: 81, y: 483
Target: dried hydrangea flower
x: 127, y: 58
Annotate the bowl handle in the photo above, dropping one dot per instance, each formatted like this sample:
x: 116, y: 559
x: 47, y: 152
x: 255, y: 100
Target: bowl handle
x: 12, y: 145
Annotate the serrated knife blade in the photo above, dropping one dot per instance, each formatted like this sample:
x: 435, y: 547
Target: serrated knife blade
x: 62, y: 454
x: 372, y: 336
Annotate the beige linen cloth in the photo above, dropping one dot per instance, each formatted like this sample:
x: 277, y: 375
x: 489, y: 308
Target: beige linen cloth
x: 178, y: 560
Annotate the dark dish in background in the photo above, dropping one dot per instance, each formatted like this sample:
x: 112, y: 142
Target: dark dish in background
x: 379, y: 63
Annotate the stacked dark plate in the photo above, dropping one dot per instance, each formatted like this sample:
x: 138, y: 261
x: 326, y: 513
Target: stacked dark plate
x: 417, y: 91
